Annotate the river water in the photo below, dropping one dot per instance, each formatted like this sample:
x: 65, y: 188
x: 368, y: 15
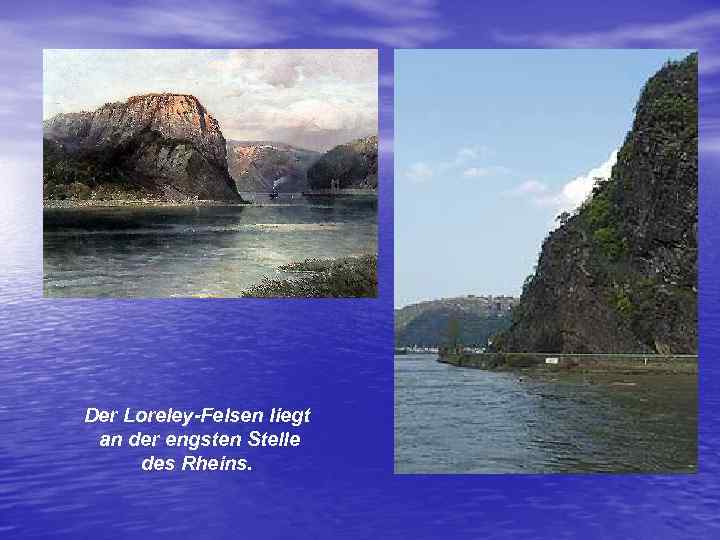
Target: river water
x: 455, y: 420
x: 196, y: 251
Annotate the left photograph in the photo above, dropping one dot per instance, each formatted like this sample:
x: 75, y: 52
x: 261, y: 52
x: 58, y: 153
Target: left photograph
x: 210, y: 173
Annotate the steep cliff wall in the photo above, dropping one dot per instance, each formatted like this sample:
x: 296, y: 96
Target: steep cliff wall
x: 164, y: 145
x: 620, y: 274
x: 263, y: 165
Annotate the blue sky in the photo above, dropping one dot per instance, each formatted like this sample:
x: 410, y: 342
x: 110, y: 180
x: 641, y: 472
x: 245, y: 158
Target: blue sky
x: 490, y: 146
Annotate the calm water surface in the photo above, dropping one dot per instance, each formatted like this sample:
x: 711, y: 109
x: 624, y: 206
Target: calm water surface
x: 188, y: 251
x: 453, y: 420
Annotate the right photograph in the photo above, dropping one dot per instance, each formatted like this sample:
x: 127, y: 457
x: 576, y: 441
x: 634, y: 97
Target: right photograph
x: 546, y: 222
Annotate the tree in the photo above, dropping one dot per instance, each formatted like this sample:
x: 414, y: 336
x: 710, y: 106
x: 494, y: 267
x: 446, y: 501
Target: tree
x: 563, y: 218
x: 453, y: 332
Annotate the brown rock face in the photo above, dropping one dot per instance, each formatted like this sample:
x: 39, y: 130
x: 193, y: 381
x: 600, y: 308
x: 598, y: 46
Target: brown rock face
x: 264, y: 165
x: 166, y: 143
x: 620, y: 275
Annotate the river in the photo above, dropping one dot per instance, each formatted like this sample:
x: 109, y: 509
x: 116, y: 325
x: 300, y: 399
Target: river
x: 456, y: 420
x: 196, y: 251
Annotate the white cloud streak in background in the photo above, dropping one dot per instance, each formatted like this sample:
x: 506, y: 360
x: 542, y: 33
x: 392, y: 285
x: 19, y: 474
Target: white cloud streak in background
x: 247, y: 23
x: 419, y: 172
x: 464, y: 164
x: 693, y: 32
x: 253, y: 22
x: 405, y: 24
x: 478, y: 172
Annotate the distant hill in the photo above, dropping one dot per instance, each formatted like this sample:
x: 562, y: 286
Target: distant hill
x: 426, y: 323
x: 354, y: 165
x: 258, y: 166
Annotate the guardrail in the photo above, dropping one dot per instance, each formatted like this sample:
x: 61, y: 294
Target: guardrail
x: 686, y: 363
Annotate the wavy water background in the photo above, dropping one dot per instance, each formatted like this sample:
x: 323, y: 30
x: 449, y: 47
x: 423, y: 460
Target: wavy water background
x: 59, y: 356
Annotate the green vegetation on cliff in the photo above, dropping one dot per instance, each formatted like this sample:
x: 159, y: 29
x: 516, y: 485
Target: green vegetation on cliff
x: 620, y: 274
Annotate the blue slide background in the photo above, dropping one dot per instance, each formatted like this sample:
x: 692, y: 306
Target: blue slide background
x: 58, y: 357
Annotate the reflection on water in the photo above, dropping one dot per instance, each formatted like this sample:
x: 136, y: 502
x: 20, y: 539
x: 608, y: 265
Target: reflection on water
x: 451, y: 420
x: 187, y: 251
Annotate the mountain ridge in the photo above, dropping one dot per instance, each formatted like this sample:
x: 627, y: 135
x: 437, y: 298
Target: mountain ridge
x: 352, y: 165
x: 263, y: 165
x: 427, y: 323
x: 160, y: 144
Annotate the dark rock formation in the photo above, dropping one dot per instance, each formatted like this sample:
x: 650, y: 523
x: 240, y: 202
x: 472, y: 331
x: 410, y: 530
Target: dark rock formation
x: 263, y: 165
x: 353, y: 165
x: 477, y: 318
x: 161, y: 145
x: 620, y: 275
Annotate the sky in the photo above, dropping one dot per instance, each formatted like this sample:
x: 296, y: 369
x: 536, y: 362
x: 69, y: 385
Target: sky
x: 490, y: 146
x: 313, y: 99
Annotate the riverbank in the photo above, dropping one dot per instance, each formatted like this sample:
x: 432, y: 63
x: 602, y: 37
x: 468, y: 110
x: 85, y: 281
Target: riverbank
x: 347, y: 277
x: 627, y: 364
x: 340, y: 193
x: 139, y: 203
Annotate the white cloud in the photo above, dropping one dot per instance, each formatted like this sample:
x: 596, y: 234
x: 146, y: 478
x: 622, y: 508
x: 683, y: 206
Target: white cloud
x: 242, y: 24
x: 419, y: 172
x: 477, y: 172
x: 570, y: 195
x: 399, y: 11
x: 533, y: 188
x: 287, y: 68
x: 463, y: 163
x: 470, y: 153
x: 698, y: 31
x: 402, y: 36
x: 579, y: 188
x: 400, y: 24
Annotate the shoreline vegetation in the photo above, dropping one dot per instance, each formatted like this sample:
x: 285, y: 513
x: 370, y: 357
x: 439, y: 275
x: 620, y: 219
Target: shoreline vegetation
x: 139, y: 203
x: 346, y: 277
x: 624, y: 364
x: 147, y: 202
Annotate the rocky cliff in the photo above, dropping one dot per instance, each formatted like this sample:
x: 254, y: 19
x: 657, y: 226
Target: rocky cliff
x: 354, y: 165
x: 160, y: 145
x: 263, y: 165
x: 620, y: 273
x: 478, y: 318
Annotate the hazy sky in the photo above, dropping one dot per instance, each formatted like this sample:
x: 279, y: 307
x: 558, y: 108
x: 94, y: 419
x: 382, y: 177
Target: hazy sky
x: 310, y: 98
x: 490, y: 146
